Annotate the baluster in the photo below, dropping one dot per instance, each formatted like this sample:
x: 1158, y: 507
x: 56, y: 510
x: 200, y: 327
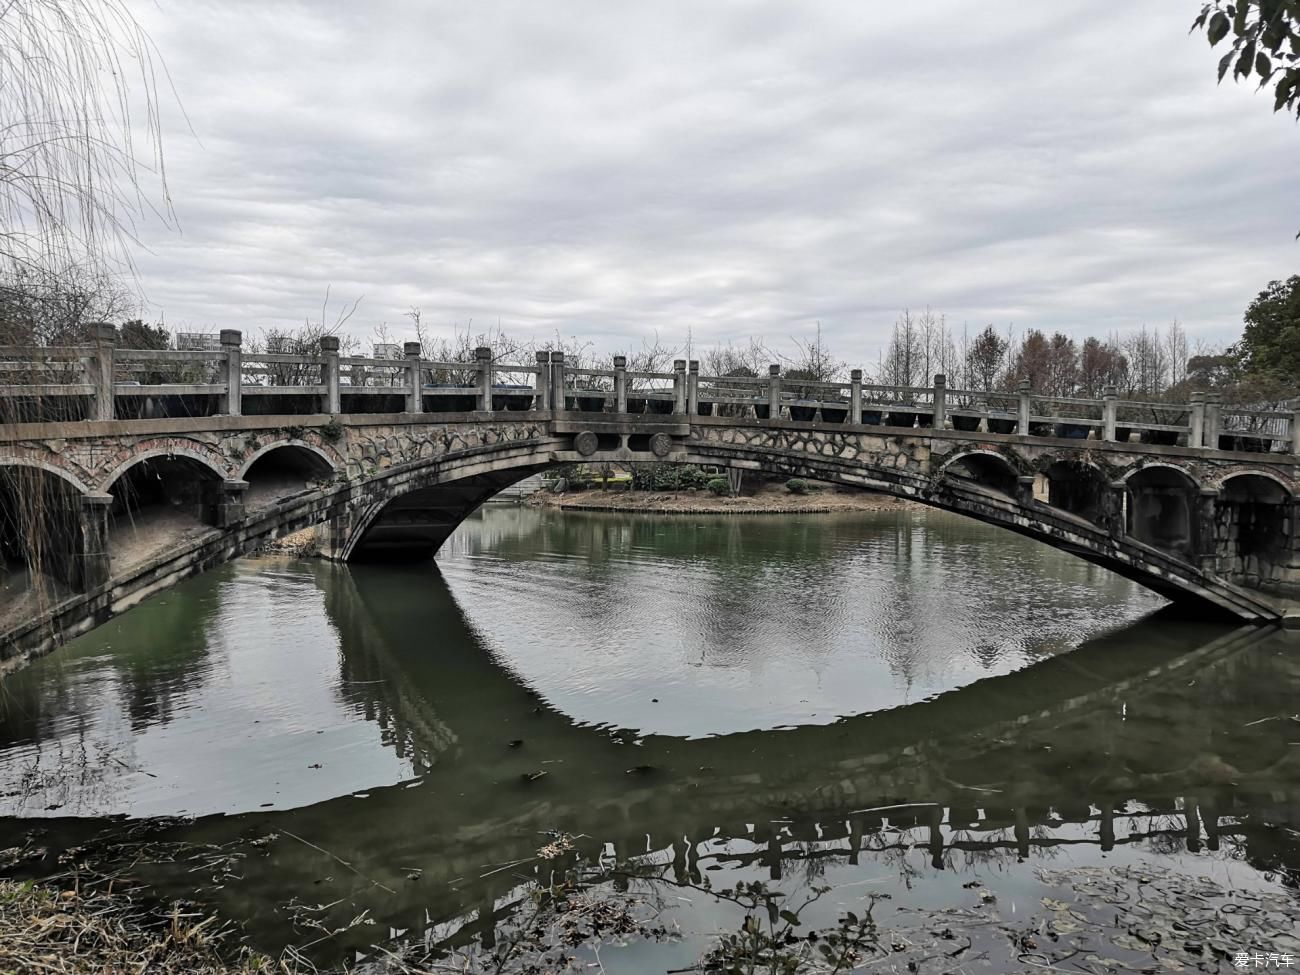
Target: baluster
x: 679, y: 386
x: 620, y: 384
x: 693, y: 388
x: 231, y: 342
x: 543, y: 397
x: 557, y: 381
x: 1022, y: 425
x: 1196, y: 435
x: 940, y: 401
x: 1212, y: 420
x: 105, y: 336
x: 483, y: 363
x: 855, y: 396
x: 774, y: 392
x: 1109, y: 413
x: 329, y: 349
x: 411, y: 352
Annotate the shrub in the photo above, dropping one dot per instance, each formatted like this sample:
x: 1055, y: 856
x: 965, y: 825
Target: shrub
x: 797, y: 485
x: 718, y: 485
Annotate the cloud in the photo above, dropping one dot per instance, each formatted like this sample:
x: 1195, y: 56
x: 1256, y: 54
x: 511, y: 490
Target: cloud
x: 608, y: 169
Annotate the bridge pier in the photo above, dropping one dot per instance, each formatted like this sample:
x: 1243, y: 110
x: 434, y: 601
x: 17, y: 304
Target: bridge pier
x: 92, y: 561
x: 1207, y: 534
x: 224, y: 504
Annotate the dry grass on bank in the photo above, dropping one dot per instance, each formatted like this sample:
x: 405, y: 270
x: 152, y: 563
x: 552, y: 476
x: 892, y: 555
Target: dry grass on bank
x: 69, y: 929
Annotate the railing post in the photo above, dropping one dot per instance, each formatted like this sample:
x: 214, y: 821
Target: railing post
x: 679, y: 386
x: 774, y: 392
x: 1109, y: 413
x: 105, y: 338
x: 411, y: 353
x: 940, y: 401
x: 620, y: 384
x: 543, y: 399
x: 855, y: 396
x: 1022, y: 423
x: 483, y: 360
x: 693, y: 387
x: 1295, y: 426
x: 1196, y: 435
x: 329, y: 350
x: 1212, y: 420
x: 231, y: 341
x: 557, y: 380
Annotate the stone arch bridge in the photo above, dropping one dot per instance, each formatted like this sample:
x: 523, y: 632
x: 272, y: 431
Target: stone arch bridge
x: 124, y: 507
x: 157, y: 500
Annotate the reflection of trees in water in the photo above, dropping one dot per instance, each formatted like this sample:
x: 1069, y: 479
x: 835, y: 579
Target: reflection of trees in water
x: 159, y: 660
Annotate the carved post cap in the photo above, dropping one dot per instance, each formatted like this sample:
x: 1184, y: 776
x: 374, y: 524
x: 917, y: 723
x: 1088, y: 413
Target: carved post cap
x: 328, y: 343
x: 1110, y: 392
x: 1023, y: 385
x: 233, y: 336
x: 855, y: 376
x: 543, y: 357
x: 557, y: 357
x: 1198, y: 397
x: 1213, y: 397
x: 774, y: 370
x: 679, y: 365
x: 411, y: 350
x: 482, y: 353
x: 620, y: 362
x: 104, y: 332
x: 940, y: 379
x: 694, y: 366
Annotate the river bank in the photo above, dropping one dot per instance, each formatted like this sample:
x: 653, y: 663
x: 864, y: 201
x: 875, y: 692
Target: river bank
x: 773, y: 499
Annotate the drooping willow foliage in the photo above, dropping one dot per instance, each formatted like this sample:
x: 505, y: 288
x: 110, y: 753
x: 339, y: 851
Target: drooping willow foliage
x: 81, y: 166
x: 80, y: 150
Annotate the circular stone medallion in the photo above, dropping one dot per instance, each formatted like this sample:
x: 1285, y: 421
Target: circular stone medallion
x: 586, y: 443
x: 661, y: 444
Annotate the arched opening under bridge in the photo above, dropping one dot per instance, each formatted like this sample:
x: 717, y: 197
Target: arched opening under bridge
x: 157, y: 501
x: 1254, y: 518
x: 41, y: 539
x: 284, y: 469
x: 1160, y: 508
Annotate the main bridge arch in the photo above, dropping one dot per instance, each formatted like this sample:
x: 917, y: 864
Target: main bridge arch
x: 410, y: 512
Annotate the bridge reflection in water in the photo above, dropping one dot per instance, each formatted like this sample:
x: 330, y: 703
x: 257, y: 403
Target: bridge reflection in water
x: 1158, y: 738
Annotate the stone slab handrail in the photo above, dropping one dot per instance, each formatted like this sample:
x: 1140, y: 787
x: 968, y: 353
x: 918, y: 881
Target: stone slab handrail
x: 100, y: 375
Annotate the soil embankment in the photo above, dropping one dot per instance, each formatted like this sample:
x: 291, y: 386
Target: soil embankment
x: 767, y: 499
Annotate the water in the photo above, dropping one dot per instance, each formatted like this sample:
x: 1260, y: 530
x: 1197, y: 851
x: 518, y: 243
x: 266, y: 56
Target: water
x: 903, y: 700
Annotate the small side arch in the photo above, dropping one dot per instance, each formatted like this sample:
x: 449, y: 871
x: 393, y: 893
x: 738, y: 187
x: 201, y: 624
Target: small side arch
x: 329, y: 461
x: 1161, y: 508
x: 49, y: 468
x: 1221, y: 482
x: 1140, y: 470
x: 206, y: 458
x: 987, y: 468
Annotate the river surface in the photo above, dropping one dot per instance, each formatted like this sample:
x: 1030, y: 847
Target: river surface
x: 903, y: 700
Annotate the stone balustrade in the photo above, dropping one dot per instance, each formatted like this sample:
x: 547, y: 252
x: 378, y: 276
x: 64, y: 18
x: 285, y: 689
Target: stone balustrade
x: 104, y: 382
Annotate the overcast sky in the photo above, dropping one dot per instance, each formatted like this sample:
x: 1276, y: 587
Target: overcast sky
x: 609, y: 169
